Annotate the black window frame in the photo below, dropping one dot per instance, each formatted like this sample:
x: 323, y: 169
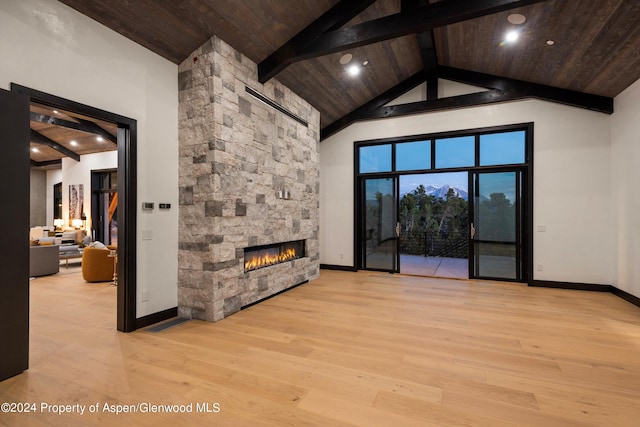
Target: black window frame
x: 527, y: 166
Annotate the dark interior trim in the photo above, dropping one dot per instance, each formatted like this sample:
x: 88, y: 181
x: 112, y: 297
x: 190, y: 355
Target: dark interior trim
x: 161, y: 316
x: 337, y: 267
x: 569, y: 285
x: 127, y: 195
x: 127, y: 223
x: 626, y: 296
x: 14, y: 263
x: 591, y: 287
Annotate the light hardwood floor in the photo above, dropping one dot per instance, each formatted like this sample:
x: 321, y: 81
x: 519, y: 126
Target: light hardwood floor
x: 362, y: 349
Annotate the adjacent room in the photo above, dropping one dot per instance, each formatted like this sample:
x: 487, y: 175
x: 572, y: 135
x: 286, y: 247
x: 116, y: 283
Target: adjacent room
x: 322, y: 212
x: 73, y: 195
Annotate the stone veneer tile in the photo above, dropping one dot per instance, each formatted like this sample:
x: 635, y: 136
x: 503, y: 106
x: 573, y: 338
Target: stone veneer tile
x: 236, y: 153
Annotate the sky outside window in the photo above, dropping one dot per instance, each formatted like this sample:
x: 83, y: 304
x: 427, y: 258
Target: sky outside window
x: 375, y: 158
x: 413, y: 155
x: 502, y: 148
x: 455, y: 152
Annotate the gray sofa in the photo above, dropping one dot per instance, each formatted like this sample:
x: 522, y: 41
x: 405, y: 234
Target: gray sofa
x: 44, y: 260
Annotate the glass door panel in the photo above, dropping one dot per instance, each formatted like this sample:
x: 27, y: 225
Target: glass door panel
x: 495, y: 230
x: 380, y: 235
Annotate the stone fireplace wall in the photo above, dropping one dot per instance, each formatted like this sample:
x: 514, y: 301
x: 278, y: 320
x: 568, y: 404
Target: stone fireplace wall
x: 236, y: 154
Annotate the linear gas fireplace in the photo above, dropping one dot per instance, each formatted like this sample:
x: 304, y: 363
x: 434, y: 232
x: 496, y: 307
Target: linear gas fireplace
x: 257, y: 257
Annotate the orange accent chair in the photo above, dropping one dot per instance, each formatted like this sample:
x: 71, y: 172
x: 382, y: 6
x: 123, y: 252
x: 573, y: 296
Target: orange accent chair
x: 97, y: 265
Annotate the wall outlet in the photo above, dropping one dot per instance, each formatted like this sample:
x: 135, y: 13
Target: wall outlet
x: 145, y: 296
x: 147, y: 235
x: 540, y: 267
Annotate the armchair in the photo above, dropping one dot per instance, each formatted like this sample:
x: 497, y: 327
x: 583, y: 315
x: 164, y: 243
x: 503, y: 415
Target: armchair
x: 97, y: 266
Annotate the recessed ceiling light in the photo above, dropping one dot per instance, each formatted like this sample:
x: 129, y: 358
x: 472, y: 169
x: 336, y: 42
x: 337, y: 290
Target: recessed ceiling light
x: 512, y: 36
x: 35, y: 150
x: 550, y: 42
x: 346, y: 58
x: 353, y: 70
x: 55, y: 111
x: 99, y: 139
x: 74, y: 143
x: 365, y: 63
x: 516, y: 19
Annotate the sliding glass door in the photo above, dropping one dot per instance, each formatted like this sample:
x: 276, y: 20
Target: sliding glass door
x: 496, y: 230
x: 380, y: 224
x: 455, y: 204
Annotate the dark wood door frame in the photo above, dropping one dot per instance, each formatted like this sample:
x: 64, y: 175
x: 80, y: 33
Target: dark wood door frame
x: 127, y: 196
x: 14, y: 262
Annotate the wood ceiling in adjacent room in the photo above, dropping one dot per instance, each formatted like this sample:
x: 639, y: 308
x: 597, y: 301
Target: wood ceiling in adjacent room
x: 595, y: 51
x: 57, y: 133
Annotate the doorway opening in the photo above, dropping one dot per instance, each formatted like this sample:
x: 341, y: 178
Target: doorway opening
x: 433, y: 216
x: 125, y: 214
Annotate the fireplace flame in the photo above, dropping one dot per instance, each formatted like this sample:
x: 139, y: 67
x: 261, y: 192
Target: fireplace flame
x: 266, y: 260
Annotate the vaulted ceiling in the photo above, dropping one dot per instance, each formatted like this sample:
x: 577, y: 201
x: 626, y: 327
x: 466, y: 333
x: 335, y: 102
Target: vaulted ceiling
x: 578, y: 52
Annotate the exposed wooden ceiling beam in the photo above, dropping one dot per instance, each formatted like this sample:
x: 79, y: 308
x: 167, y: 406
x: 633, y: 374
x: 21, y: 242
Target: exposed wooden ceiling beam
x: 377, y: 102
x: 333, y: 19
x: 573, y: 98
x: 98, y: 130
x: 501, y: 90
x: 429, y: 62
x: 462, y: 101
x: 427, y: 48
x: 46, y: 163
x: 400, y: 24
x: 429, y: 106
x: 38, y: 138
x: 82, y: 125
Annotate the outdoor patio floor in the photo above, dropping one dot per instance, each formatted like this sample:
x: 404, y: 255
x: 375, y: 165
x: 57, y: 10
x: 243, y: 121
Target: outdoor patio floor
x: 455, y: 268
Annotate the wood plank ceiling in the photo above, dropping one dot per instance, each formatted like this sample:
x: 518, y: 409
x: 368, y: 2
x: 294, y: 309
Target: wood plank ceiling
x: 56, y: 133
x: 596, y: 47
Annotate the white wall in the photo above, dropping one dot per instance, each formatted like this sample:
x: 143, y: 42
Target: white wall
x: 445, y: 89
x: 572, y: 175
x: 625, y: 140
x: 74, y: 173
x: 418, y: 93
x: 50, y: 47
